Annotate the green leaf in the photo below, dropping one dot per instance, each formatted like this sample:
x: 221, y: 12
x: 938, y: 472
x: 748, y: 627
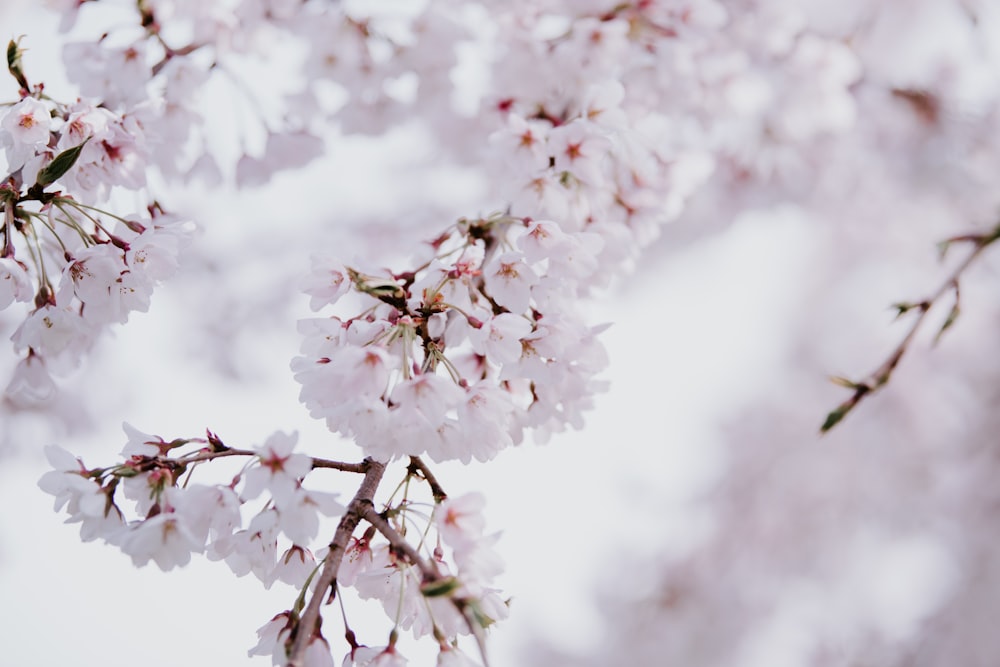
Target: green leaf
x: 844, y: 382
x: 60, y: 164
x: 950, y: 320
x: 992, y: 236
x: 903, y: 307
x: 439, y: 588
x: 482, y: 618
x: 176, y: 442
x: 834, y: 417
x: 14, y: 63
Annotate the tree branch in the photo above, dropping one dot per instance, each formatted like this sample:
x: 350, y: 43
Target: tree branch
x: 358, y: 507
x: 433, y: 583
x: 316, y: 463
x: 880, y: 376
x: 340, y: 465
x: 418, y: 466
x: 428, y: 570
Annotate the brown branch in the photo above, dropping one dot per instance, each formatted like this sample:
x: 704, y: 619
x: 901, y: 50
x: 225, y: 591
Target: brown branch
x: 340, y: 465
x: 210, y: 456
x: 428, y: 570
x: 316, y: 463
x: 417, y: 466
x: 880, y: 376
x: 433, y: 583
x: 358, y: 507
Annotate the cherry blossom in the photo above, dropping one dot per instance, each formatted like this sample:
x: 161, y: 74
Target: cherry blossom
x: 15, y: 284
x: 164, y: 539
x: 280, y: 469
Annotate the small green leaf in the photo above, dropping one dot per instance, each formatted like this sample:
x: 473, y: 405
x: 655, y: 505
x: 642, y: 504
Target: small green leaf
x: 385, y: 289
x: 14, y: 63
x: 60, y: 164
x: 834, y: 417
x: 482, y: 618
x: 844, y: 382
x: 903, y: 307
x: 992, y: 236
x: 950, y: 320
x: 175, y: 443
x: 439, y: 588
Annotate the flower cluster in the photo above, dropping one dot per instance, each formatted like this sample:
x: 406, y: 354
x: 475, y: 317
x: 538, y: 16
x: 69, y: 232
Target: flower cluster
x: 266, y: 521
x: 455, y: 359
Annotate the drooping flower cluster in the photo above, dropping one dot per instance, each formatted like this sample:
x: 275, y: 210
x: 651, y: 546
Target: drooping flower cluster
x: 456, y: 359
x: 168, y: 518
x: 77, y: 267
x: 611, y: 149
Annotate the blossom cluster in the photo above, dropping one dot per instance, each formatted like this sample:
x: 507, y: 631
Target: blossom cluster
x: 457, y: 358
x: 266, y: 522
x: 610, y: 150
x: 76, y: 267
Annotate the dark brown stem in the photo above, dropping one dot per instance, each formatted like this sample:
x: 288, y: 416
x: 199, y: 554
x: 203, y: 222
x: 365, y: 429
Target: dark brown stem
x: 358, y: 507
x: 316, y: 463
x: 340, y: 465
x: 430, y: 575
x: 880, y: 376
x: 210, y: 456
x: 428, y: 569
x: 417, y: 466
x: 8, y: 225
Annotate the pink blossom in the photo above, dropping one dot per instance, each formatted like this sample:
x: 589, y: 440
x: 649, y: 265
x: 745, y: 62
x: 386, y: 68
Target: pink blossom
x: 509, y: 280
x: 452, y: 657
x: 326, y: 283
x: 358, y: 558
x: 460, y: 520
x: 56, y: 333
x: 272, y: 638
x: 374, y: 656
x: 139, y: 443
x: 429, y: 395
x: 293, y: 567
x: 580, y: 149
x: 15, y: 285
x: 28, y: 122
x: 154, y: 254
x: 210, y: 512
x: 280, y: 469
x: 298, y: 515
x: 524, y: 143
x: 499, y: 339
x: 30, y: 385
x: 164, y: 538
x: 254, y: 549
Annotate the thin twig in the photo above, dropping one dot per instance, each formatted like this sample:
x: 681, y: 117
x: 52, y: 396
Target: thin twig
x: 340, y: 465
x: 357, y: 508
x: 316, y: 463
x: 418, y: 466
x: 210, y: 456
x: 428, y: 570
x: 431, y: 578
x: 880, y: 376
